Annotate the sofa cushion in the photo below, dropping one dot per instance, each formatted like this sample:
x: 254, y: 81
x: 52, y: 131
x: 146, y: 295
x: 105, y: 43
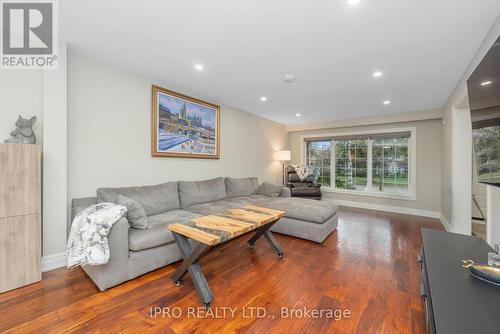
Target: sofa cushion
x: 136, y: 215
x: 196, y: 192
x: 241, y: 187
x: 269, y: 189
x: 213, y: 207
x: 158, y: 234
x: 300, y: 185
x: 308, y: 210
x: 258, y: 200
x: 154, y: 199
x: 306, y: 192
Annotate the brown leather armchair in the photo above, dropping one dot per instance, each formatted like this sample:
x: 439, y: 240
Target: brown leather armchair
x: 306, y: 188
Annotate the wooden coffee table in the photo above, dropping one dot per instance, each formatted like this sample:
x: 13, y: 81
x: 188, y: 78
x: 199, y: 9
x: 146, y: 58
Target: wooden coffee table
x: 216, y: 229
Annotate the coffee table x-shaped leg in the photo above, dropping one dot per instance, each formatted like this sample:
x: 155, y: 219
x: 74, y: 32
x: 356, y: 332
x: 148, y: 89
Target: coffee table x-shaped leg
x: 191, y: 259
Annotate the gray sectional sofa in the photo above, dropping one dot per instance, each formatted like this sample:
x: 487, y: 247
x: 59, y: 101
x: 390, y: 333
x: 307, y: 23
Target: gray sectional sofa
x: 137, y: 251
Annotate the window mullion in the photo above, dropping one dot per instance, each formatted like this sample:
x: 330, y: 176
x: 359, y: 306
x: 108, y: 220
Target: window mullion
x: 333, y: 163
x: 369, y: 166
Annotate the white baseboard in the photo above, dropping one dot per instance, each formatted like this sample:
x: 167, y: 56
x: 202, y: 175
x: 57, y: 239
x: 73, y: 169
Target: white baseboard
x: 53, y: 261
x: 390, y: 208
x: 445, y: 223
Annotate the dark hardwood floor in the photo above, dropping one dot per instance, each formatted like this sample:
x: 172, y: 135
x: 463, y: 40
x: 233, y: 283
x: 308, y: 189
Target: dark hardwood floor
x: 368, y: 267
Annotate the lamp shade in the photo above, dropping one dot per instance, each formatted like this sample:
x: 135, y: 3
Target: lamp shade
x: 282, y: 156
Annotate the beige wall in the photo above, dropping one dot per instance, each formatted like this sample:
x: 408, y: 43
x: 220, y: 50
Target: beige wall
x: 446, y: 189
x: 55, y: 161
x: 110, y: 132
x: 400, y: 117
x: 42, y: 93
x: 428, y: 185
x: 20, y: 94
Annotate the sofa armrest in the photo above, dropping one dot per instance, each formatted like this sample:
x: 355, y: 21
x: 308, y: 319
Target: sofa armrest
x: 286, y: 192
x: 118, y: 239
x: 77, y: 206
x: 116, y: 270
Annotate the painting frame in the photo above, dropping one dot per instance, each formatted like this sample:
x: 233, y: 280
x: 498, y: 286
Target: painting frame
x: 156, y: 92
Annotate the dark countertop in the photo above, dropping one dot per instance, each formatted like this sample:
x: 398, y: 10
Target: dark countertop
x: 460, y: 302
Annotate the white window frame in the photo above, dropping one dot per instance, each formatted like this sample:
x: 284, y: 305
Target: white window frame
x: 412, y: 163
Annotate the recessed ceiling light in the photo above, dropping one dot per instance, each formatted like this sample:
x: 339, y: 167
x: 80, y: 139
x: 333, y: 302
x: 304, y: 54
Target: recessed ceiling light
x: 387, y: 102
x: 352, y: 2
x: 377, y: 74
x: 298, y: 115
x: 263, y: 99
x: 198, y: 67
x: 486, y: 83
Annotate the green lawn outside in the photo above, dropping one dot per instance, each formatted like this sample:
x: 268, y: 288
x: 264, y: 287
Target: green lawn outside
x: 488, y: 176
x: 360, y: 181
x: 376, y: 180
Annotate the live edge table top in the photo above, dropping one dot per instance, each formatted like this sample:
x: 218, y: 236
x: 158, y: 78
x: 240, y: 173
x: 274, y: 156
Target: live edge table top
x: 224, y: 226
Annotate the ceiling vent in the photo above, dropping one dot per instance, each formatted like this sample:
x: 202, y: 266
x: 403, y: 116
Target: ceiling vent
x: 289, y: 78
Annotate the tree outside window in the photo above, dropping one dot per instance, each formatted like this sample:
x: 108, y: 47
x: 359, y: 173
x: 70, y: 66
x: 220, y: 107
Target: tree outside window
x: 351, y: 164
x: 390, y: 165
x: 318, y: 155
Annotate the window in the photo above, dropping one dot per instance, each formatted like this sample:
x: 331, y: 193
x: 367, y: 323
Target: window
x: 374, y: 163
x: 351, y: 164
x: 319, y: 153
x: 390, y: 165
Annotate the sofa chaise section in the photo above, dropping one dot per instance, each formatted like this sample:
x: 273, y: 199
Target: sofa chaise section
x: 158, y: 234
x: 305, y: 218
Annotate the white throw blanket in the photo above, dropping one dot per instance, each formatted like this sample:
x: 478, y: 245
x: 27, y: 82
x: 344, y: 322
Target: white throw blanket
x: 304, y: 171
x: 88, y: 239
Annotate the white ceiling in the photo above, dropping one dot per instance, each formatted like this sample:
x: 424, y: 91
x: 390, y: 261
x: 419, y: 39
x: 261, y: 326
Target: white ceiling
x: 246, y: 47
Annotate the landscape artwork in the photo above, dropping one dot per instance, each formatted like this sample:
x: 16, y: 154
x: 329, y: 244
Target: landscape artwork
x: 183, y: 126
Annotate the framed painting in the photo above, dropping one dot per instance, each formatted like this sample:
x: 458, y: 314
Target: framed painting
x: 183, y: 126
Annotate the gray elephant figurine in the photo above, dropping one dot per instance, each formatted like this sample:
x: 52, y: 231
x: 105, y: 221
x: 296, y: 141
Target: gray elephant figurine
x: 23, y: 134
